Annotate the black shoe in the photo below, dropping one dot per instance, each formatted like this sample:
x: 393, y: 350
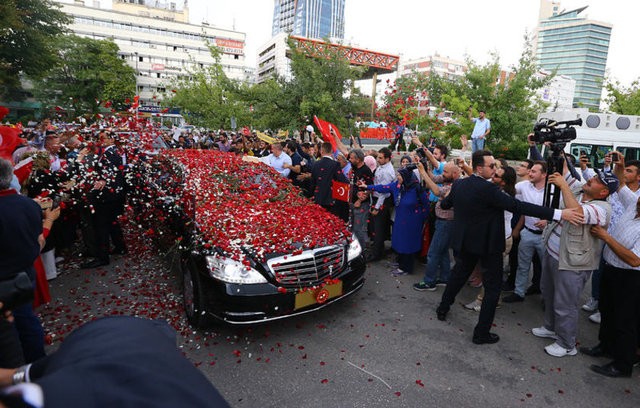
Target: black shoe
x: 442, y: 314
x: 595, y: 351
x: 512, y: 298
x: 609, y: 370
x: 489, y: 338
x: 533, y: 290
x: 372, y: 258
x: 94, y: 264
x: 508, y: 287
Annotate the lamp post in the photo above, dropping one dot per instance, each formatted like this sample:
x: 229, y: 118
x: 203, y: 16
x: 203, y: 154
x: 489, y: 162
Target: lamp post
x: 137, y: 75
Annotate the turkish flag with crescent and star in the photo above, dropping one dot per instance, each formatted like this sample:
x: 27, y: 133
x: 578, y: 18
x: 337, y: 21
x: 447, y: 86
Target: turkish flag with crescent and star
x: 340, y: 191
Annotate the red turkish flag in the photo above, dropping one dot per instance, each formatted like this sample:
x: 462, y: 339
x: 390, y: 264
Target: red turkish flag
x: 325, y: 129
x: 340, y: 191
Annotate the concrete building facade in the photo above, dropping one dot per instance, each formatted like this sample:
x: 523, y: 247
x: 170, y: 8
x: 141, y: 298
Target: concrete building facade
x: 156, y: 39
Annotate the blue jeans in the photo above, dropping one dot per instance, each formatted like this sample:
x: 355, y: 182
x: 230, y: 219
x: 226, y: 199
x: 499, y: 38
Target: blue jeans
x: 30, y: 332
x: 438, y: 255
x: 529, y: 244
x: 477, y: 144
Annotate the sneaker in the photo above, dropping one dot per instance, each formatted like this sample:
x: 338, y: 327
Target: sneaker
x: 512, y: 298
x: 441, y: 283
x: 398, y: 272
x: 557, y: 350
x: 595, y: 318
x: 475, y: 283
x: 422, y: 286
x: 475, y: 305
x: 543, y: 332
x: 591, y: 305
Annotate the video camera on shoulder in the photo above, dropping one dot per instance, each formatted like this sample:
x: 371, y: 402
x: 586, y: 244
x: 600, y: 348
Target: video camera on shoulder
x: 16, y: 291
x: 547, y: 130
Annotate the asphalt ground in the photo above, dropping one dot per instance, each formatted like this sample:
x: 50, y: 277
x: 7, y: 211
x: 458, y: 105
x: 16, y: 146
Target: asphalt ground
x: 381, y: 347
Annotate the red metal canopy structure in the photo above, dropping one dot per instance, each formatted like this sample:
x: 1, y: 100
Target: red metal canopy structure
x: 376, y: 62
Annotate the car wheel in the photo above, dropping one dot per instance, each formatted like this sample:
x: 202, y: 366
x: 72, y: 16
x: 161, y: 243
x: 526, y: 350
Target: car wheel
x: 193, y: 298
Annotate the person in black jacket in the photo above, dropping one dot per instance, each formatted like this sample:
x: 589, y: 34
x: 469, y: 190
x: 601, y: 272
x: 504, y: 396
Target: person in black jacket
x: 107, y: 198
x: 323, y: 173
x: 118, y: 361
x: 478, y: 235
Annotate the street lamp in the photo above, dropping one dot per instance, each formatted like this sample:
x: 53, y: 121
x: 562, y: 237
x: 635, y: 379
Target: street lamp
x: 137, y: 75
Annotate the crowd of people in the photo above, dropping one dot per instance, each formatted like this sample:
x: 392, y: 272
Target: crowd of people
x: 63, y: 189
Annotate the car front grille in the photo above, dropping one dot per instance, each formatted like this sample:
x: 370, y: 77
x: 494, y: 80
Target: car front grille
x: 308, y: 268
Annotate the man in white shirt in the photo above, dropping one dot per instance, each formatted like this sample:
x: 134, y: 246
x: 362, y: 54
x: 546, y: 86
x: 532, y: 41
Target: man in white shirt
x: 382, y: 203
x: 529, y: 229
x: 277, y: 159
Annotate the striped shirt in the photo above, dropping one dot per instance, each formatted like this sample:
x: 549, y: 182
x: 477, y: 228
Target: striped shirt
x: 626, y: 231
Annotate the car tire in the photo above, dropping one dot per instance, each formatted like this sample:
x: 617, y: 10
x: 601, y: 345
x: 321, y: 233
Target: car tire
x: 193, y: 298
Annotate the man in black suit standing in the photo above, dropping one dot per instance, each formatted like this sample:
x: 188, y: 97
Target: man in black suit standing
x: 107, y: 198
x: 478, y: 235
x: 323, y: 173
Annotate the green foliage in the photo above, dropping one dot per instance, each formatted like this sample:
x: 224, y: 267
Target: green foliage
x: 622, y: 100
x: 511, y: 105
x: 86, y: 71
x: 208, y: 98
x: 27, y: 32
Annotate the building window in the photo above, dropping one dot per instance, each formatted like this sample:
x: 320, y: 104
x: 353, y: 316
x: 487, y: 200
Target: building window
x: 141, y: 59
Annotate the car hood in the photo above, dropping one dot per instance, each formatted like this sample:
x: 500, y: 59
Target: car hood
x: 243, y: 207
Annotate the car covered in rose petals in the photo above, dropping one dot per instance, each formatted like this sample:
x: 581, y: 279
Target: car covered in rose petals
x: 249, y: 246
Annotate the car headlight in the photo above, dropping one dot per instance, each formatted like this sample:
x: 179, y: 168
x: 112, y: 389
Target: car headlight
x: 228, y: 270
x: 355, y: 249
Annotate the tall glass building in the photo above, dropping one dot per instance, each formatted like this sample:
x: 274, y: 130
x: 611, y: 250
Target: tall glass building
x: 309, y: 18
x: 576, y: 47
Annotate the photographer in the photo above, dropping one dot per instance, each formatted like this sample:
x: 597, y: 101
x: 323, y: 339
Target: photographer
x: 571, y: 254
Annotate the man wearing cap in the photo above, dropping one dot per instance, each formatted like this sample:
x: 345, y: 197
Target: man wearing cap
x: 571, y: 255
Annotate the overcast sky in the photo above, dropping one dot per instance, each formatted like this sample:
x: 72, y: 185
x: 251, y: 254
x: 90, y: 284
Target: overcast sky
x: 453, y: 28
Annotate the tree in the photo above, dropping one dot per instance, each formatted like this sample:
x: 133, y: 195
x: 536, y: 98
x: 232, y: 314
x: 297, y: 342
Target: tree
x: 511, y: 105
x: 87, y: 72
x: 621, y: 100
x: 27, y: 32
x: 208, y: 98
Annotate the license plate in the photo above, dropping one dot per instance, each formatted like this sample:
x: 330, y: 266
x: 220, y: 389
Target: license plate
x: 320, y: 295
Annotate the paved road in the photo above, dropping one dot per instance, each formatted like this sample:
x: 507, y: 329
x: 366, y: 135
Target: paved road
x: 382, y: 347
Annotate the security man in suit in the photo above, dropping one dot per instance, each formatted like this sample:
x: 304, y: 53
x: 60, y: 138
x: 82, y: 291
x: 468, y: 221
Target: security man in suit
x: 323, y: 173
x: 478, y: 235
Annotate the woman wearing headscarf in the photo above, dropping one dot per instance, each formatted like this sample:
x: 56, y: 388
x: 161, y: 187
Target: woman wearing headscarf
x: 412, y: 206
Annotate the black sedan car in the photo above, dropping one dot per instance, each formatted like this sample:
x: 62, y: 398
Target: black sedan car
x: 249, y: 246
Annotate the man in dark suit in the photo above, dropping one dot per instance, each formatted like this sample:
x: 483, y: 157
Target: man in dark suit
x: 323, y: 173
x: 119, y: 361
x: 478, y: 235
x: 107, y: 198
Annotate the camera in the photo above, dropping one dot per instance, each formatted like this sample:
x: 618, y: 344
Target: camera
x: 547, y: 130
x: 16, y: 291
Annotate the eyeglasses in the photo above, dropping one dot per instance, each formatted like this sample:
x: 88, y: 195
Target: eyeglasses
x: 496, y: 176
x: 491, y: 166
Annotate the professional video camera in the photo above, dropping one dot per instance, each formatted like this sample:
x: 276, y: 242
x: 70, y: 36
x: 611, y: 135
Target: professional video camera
x: 558, y: 134
x: 548, y: 130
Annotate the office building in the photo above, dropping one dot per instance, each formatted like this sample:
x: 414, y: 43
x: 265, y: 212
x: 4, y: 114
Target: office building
x: 156, y: 39
x: 575, y: 46
x: 318, y: 19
